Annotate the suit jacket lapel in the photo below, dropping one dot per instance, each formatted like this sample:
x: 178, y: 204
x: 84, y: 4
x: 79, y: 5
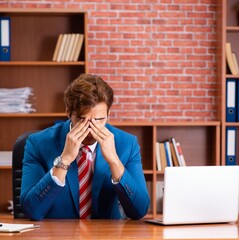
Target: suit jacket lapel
x: 72, y: 180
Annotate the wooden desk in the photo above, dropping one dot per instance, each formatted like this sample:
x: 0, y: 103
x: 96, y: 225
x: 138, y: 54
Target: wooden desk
x: 119, y: 229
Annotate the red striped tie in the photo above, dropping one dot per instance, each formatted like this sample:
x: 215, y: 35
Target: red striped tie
x: 85, y: 183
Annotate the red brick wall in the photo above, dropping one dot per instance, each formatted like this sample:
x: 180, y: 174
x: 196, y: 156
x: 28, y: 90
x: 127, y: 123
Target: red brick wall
x: 158, y: 55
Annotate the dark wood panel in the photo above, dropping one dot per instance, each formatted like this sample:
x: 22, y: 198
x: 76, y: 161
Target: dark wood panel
x: 34, y: 36
x: 5, y: 188
x: 145, y: 138
x: 48, y: 83
x: 12, y: 128
x: 232, y: 15
x: 198, y: 143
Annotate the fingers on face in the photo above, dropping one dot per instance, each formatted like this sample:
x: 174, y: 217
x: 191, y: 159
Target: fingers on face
x: 79, y: 130
x: 80, y: 125
x: 98, y: 129
x: 95, y: 136
x: 82, y: 128
x: 83, y: 135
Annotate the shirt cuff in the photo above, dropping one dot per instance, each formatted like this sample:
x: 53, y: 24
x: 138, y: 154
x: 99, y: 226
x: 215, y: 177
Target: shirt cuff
x: 56, y: 179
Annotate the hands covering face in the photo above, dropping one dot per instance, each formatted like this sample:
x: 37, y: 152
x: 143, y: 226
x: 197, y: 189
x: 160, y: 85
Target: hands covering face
x: 105, y: 139
x: 87, y: 131
x: 74, y: 139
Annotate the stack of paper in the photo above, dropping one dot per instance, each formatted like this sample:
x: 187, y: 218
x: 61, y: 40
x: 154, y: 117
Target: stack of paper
x: 16, y: 228
x: 16, y: 100
x: 5, y: 158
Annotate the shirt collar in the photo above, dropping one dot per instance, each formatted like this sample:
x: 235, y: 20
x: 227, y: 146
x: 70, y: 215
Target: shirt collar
x: 92, y: 147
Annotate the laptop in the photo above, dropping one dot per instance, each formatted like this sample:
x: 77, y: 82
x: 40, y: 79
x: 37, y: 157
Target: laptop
x: 199, y: 194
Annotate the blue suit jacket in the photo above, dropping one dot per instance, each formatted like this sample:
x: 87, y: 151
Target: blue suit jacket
x: 41, y: 197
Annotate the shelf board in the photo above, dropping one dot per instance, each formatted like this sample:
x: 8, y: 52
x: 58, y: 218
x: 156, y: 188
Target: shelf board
x: 6, y: 215
x: 30, y: 115
x: 166, y: 124
x: 188, y: 124
x: 16, y: 11
x: 232, y: 76
x: 232, y: 28
x: 5, y: 167
x: 119, y: 123
x: 41, y: 63
x: 232, y: 124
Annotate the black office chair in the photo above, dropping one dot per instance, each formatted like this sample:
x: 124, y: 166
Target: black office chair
x: 17, y: 157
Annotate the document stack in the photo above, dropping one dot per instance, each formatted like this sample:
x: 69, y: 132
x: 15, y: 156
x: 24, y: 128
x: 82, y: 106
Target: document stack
x: 16, y: 100
x: 231, y: 132
x: 5, y: 158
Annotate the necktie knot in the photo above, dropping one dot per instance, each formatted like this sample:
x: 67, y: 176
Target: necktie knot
x: 85, y: 149
x: 83, y: 154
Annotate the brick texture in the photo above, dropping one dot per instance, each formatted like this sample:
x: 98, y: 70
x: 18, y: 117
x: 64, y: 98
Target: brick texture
x: 158, y: 55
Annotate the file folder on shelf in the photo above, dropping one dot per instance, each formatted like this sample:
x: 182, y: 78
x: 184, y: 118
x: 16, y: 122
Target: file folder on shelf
x: 231, y: 100
x: 5, y: 39
x: 230, y: 145
x: 237, y: 100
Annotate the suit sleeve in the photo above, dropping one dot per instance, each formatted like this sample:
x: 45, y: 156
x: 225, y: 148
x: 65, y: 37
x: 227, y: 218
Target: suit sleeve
x: 38, y: 189
x: 132, y: 191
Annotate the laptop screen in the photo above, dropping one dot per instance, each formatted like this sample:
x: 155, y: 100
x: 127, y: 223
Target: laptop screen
x: 200, y: 194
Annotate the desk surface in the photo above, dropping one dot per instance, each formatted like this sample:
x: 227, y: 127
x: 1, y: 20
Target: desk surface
x: 119, y: 229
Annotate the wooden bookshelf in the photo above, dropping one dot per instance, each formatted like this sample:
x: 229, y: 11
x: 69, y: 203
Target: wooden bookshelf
x: 229, y: 32
x: 200, y: 142
x: 33, y: 38
x: 34, y: 33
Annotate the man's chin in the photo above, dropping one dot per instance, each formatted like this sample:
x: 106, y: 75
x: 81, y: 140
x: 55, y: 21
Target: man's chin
x: 89, y: 140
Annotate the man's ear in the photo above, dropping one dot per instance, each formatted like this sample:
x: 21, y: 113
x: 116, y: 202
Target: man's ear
x: 108, y: 115
x: 68, y: 113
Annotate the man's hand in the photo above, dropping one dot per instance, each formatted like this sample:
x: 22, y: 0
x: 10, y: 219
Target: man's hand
x: 107, y: 144
x: 105, y: 139
x: 73, y: 141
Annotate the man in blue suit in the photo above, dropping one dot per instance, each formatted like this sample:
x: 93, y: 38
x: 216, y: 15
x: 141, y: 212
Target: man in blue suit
x: 50, y: 184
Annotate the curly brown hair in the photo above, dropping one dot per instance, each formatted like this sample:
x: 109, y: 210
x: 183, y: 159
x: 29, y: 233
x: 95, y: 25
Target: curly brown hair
x: 85, y: 92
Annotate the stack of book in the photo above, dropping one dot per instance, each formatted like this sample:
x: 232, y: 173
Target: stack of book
x: 68, y: 47
x: 169, y: 154
x: 16, y: 100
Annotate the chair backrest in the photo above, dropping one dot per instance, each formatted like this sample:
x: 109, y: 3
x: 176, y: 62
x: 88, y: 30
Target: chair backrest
x: 17, y: 157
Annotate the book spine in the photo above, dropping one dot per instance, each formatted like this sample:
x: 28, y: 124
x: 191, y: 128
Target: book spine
x: 229, y: 59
